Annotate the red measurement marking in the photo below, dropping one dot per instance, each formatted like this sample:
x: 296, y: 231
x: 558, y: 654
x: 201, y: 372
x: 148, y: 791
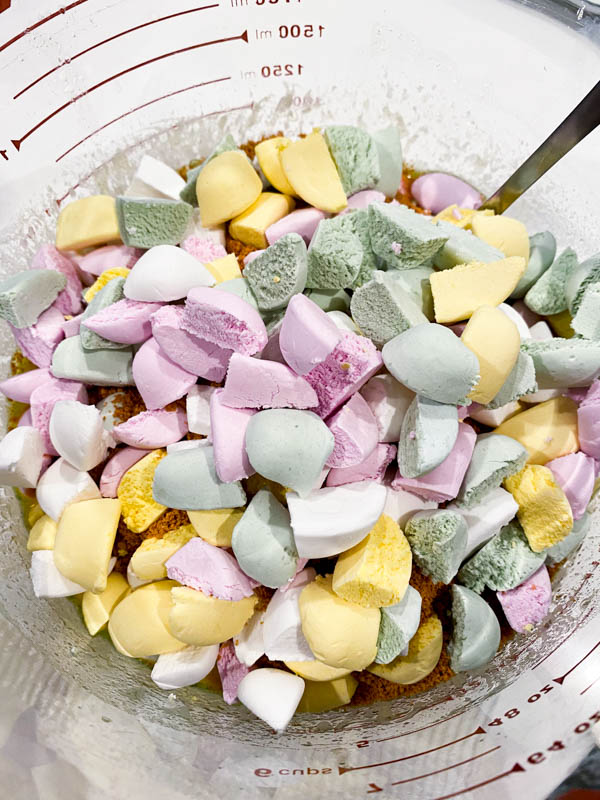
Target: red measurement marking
x: 516, y: 768
x: 425, y: 727
x: 445, y: 769
x: 561, y: 680
x: 41, y: 22
x: 560, y: 644
x: 4, y: 5
x: 590, y: 686
x: 18, y: 142
x: 110, y: 39
x: 479, y: 730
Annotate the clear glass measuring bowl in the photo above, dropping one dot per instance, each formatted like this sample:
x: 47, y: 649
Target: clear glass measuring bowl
x: 87, y: 88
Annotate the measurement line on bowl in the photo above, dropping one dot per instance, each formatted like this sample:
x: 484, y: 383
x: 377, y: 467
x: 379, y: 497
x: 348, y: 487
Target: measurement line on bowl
x: 591, y: 684
x: 516, y: 768
x: 560, y: 644
x: 425, y: 727
x: 110, y: 39
x: 40, y: 22
x: 242, y: 37
x: 445, y: 769
x: 479, y: 731
x: 561, y: 680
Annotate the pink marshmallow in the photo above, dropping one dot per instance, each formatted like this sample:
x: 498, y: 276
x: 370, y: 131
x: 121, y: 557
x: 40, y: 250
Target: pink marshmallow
x: 272, y: 351
x: 362, y: 200
x: 228, y: 432
x: 126, y: 321
x: 20, y: 387
x: 443, y: 482
x: 195, y: 355
x: 157, y: 378
x: 527, y: 605
x: 204, y: 250
x: 25, y: 419
x: 231, y: 671
x: 577, y: 394
x: 530, y: 317
x: 43, y: 400
x: 438, y: 190
x: 304, y: 222
x: 307, y: 336
x: 349, y: 366
x: 256, y: 383
x: 71, y: 326
x: 225, y: 320
x: 458, y: 329
x: 210, y: 570
x: 297, y: 579
x: 152, y: 429
x: 588, y: 421
x: 38, y: 342
x: 251, y: 256
x: 371, y: 469
x: 575, y: 474
x: 118, y: 465
x: 69, y: 301
x: 108, y: 257
x: 355, y: 431
x: 463, y: 411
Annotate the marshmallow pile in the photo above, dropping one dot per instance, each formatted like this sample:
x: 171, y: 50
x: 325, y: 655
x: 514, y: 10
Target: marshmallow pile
x: 376, y: 386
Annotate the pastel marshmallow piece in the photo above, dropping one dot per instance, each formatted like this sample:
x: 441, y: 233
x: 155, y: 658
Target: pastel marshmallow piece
x: 103, y: 258
x: 542, y: 251
x: 307, y: 335
x: 78, y: 435
x: 25, y: 295
x: 576, y: 476
x: 495, y: 341
x: 462, y: 247
x: 97, y: 608
x: 355, y: 433
x: 208, y: 250
x: 185, y: 667
x: 62, y: 484
x: 154, y: 178
x: 272, y: 695
x: 486, y: 519
x: 150, y: 430
x: 228, y: 432
x: 126, y: 321
x: 515, y: 317
x: 227, y: 186
x: 197, y: 406
x: 561, y: 363
x: 47, y: 580
x: 158, y: 379
x: 424, y: 650
x: 258, y: 383
x: 548, y: 295
x: 316, y: 671
x: 200, y: 620
x: 355, y: 155
x: 343, y: 321
x: 547, y: 430
x: 400, y: 505
x: 150, y: 221
x: 429, y: 432
x: 507, y: 234
x: 21, y: 457
x: 438, y: 190
x: 282, y: 628
x: 165, y: 273
x: 225, y: 320
x: 103, y: 280
x: 312, y: 174
x: 231, y: 672
x: 225, y: 268
x: 139, y: 507
x: 303, y: 221
x: 19, y: 387
x: 42, y: 534
x: 566, y: 546
x: 332, y: 520
x: 148, y: 561
x: 69, y: 300
x: 249, y: 643
x: 520, y: 384
x: 476, y: 634
x: 216, y: 526
x: 250, y: 226
x: 526, y: 605
x: 389, y: 152
x: 87, y: 222
x: 401, y: 237
x: 493, y: 417
x: 209, y: 569
x: 116, y: 467
x: 373, y: 467
x: 388, y: 400
x: 39, y: 341
x: 398, y: 625
x: 495, y: 458
x: 438, y: 540
x: 267, y: 155
x: 278, y: 273
x: 42, y: 402
x: 133, y: 580
x: 335, y: 255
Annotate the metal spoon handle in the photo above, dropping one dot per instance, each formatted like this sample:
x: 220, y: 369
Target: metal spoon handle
x: 581, y: 121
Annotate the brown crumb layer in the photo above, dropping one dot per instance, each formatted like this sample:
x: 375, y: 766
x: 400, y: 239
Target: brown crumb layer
x: 127, y: 541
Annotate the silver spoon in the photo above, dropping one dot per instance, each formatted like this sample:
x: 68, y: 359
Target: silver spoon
x: 581, y: 121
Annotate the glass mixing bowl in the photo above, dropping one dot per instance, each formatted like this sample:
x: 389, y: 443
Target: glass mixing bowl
x: 474, y: 87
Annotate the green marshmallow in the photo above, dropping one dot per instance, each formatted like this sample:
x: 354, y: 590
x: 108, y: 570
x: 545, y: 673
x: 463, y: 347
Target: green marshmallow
x: 502, y: 563
x: 102, y: 367
x: 356, y: 222
x: 476, y: 631
x: 289, y: 447
x: 463, y: 247
x: 416, y: 282
x: 240, y: 288
x: 278, y: 273
x: 401, y: 237
x: 148, y: 222
x: 263, y: 541
x: 427, y: 436
x: 109, y: 294
x: 542, y: 252
x: 560, y: 550
x: 560, y: 363
x: 389, y: 150
x: 586, y: 321
x: 24, y: 296
x: 548, y: 293
x: 188, y: 193
x: 438, y: 540
x: 520, y: 381
x: 587, y: 273
x: 495, y: 457
x: 334, y: 257
x: 397, y: 626
x: 187, y: 479
x: 382, y: 308
x: 356, y: 157
x: 330, y: 300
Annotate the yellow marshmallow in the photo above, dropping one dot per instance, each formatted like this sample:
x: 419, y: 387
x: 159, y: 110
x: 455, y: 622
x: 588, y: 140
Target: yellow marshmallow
x: 138, y: 626
x: 256, y: 482
x: 43, y: 534
x: 461, y: 217
x: 268, y: 154
x: 216, y: 526
x: 84, y: 541
x: 140, y: 509
x: 459, y: 291
x: 547, y: 430
x: 375, y: 572
x: 325, y: 695
x: 495, y: 340
x: 424, y: 652
x: 103, y: 279
x: 544, y: 511
x: 87, y: 222
x: 97, y: 608
x: 316, y: 670
x: 35, y: 512
x: 250, y: 226
x: 311, y: 171
x: 561, y: 324
x: 201, y: 620
x: 226, y: 186
x: 148, y: 561
x: 504, y: 233
x: 340, y: 633
x: 224, y: 269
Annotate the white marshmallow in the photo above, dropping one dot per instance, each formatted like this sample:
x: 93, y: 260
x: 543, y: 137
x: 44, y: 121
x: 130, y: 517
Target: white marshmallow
x: 400, y: 505
x: 133, y: 580
x: 21, y: 457
x: 343, y: 321
x: 541, y: 331
x: 541, y: 396
x: 187, y: 444
x: 153, y: 178
x: 282, y: 628
x: 197, y: 407
x: 496, y: 416
x: 194, y: 228
x: 185, y: 667
x: 486, y: 518
x: 107, y: 410
x: 47, y: 580
x: 249, y: 644
x: 334, y: 519
x: 515, y: 317
x: 165, y: 273
x: 62, y: 484
x: 389, y: 400
x: 77, y: 433
x: 272, y: 695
